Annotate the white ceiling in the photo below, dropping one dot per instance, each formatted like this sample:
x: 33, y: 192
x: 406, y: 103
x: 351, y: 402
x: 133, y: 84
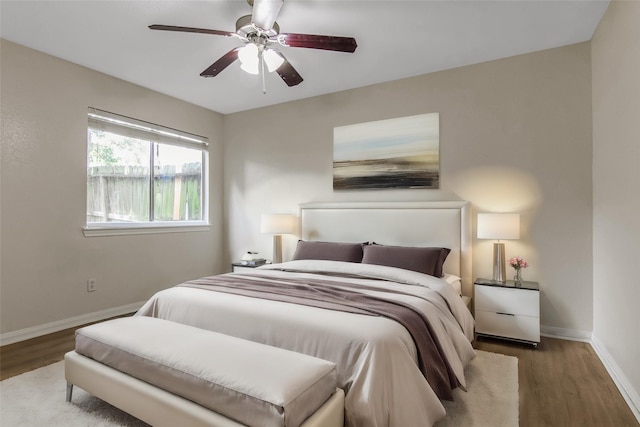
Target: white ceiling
x: 396, y: 39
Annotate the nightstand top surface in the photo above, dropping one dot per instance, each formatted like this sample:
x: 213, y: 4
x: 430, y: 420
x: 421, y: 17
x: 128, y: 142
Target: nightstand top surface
x: 533, y: 286
x: 249, y: 264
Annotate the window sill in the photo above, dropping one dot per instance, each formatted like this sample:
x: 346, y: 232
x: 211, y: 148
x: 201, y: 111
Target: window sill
x: 151, y: 228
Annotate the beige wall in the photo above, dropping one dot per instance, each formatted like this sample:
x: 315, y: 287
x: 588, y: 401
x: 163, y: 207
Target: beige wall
x: 515, y: 136
x: 45, y: 259
x: 616, y: 194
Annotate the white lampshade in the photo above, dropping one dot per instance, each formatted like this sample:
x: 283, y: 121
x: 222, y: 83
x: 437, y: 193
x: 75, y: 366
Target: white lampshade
x: 250, y: 68
x: 277, y: 224
x: 248, y: 56
x: 273, y: 59
x: 498, y: 226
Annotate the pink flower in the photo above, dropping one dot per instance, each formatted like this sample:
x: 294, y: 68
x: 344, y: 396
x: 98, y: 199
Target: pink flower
x: 518, y: 263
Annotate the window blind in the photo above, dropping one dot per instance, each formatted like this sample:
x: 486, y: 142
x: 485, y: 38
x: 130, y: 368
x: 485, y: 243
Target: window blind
x: 134, y: 128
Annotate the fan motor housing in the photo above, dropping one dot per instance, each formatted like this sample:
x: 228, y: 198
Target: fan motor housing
x: 245, y: 28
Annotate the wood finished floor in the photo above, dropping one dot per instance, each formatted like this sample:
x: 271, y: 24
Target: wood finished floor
x: 562, y: 383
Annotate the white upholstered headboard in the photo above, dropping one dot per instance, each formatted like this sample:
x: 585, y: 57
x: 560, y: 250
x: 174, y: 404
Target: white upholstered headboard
x: 442, y: 224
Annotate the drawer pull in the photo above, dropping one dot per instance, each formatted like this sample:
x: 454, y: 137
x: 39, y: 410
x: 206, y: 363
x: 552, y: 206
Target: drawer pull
x: 505, y: 314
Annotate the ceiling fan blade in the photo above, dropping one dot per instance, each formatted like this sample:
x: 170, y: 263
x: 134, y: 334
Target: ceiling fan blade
x: 190, y: 30
x: 222, y: 63
x: 288, y: 73
x: 265, y: 13
x: 312, y: 41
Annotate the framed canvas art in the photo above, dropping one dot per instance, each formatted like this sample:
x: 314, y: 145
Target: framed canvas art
x: 394, y: 153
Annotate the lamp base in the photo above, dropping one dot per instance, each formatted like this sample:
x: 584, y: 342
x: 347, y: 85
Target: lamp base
x: 277, y: 249
x: 499, y: 266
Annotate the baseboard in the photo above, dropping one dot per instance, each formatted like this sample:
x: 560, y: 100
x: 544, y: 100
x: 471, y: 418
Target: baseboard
x: 59, y: 325
x: 565, y: 334
x: 629, y: 394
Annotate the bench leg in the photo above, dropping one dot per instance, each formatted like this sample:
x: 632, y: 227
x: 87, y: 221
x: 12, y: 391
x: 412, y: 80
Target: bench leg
x: 69, y: 391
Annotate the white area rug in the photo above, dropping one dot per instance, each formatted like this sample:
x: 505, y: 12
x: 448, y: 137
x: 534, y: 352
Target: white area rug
x: 37, y: 398
x: 491, y: 399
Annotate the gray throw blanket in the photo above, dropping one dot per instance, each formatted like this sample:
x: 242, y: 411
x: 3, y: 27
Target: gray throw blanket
x: 326, y: 294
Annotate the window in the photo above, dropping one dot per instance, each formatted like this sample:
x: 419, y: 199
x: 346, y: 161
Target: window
x: 141, y: 174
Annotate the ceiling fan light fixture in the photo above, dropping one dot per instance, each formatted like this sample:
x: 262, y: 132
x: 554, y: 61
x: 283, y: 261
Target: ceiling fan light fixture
x: 248, y: 56
x: 248, y: 53
x: 250, y: 68
x: 273, y: 59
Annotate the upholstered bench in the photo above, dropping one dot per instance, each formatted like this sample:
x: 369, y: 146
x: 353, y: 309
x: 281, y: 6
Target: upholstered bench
x: 169, y: 374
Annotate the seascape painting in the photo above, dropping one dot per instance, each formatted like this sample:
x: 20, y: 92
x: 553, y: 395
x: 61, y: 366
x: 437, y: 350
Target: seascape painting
x: 394, y: 153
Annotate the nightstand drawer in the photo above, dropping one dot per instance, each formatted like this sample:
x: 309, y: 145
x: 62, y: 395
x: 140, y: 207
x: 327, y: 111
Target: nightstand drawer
x: 507, y: 300
x: 524, y: 328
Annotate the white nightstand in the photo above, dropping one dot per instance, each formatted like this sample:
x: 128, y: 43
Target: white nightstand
x: 504, y: 310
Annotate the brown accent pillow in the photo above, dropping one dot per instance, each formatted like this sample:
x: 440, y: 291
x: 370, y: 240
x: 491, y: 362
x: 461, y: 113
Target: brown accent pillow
x: 348, y: 252
x: 423, y: 260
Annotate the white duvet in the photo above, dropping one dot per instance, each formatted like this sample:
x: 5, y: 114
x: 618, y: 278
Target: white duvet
x: 375, y: 357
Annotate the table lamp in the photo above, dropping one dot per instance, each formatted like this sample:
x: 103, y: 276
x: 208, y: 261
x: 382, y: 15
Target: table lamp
x: 499, y: 226
x: 277, y: 224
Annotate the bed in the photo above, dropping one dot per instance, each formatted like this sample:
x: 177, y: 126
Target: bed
x: 387, y: 374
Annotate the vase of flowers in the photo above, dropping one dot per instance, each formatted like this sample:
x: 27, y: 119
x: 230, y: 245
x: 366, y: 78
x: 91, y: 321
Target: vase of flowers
x: 518, y: 263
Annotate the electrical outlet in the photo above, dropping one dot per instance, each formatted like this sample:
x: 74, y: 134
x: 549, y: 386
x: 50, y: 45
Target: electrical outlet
x: 91, y: 285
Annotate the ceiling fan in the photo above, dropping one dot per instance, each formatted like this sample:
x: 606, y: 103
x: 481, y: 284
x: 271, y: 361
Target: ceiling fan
x: 259, y: 32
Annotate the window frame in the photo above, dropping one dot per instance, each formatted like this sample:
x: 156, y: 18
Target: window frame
x: 154, y: 133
